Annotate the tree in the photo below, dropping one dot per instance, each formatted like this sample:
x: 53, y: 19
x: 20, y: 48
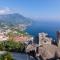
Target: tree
x: 6, y: 56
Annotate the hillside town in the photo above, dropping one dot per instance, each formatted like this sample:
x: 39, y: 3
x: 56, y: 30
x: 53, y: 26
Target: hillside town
x: 16, y: 35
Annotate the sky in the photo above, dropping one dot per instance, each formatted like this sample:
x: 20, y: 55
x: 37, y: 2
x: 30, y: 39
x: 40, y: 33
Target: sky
x: 37, y: 9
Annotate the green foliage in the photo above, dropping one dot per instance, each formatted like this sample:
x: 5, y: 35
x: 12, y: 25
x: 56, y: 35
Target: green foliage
x: 1, y: 47
x: 12, y: 46
x: 6, y: 56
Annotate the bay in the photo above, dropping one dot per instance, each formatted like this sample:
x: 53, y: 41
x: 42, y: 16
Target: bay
x: 50, y: 27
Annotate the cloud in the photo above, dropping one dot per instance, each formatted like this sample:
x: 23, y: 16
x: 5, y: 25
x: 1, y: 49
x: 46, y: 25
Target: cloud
x: 6, y: 11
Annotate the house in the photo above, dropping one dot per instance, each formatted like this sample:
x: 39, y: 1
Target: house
x: 3, y: 37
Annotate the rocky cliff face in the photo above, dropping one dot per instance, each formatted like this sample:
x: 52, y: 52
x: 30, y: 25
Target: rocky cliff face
x: 48, y: 51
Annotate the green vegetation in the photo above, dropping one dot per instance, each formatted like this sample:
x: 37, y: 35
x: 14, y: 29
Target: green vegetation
x: 12, y: 46
x: 6, y: 56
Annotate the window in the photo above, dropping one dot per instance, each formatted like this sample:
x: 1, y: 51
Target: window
x: 45, y: 41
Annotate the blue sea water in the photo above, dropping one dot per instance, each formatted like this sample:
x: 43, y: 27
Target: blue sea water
x: 49, y: 27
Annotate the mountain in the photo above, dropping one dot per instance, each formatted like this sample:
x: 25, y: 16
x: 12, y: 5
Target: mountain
x: 14, y: 18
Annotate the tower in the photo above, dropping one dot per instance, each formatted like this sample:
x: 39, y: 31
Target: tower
x: 58, y: 38
x: 43, y: 39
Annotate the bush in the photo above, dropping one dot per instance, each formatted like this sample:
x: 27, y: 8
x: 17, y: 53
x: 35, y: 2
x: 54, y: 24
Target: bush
x: 12, y: 46
x: 6, y: 56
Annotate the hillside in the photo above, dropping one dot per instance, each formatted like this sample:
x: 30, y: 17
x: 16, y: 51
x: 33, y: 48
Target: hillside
x: 14, y: 18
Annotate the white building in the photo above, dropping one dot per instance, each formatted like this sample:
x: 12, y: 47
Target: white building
x: 7, y: 31
x: 43, y: 39
x: 3, y: 37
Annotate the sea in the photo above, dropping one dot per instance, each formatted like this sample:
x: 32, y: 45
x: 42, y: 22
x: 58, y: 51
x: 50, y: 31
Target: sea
x: 47, y: 26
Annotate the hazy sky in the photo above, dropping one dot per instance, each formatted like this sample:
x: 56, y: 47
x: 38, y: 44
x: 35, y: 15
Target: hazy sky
x: 32, y: 8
